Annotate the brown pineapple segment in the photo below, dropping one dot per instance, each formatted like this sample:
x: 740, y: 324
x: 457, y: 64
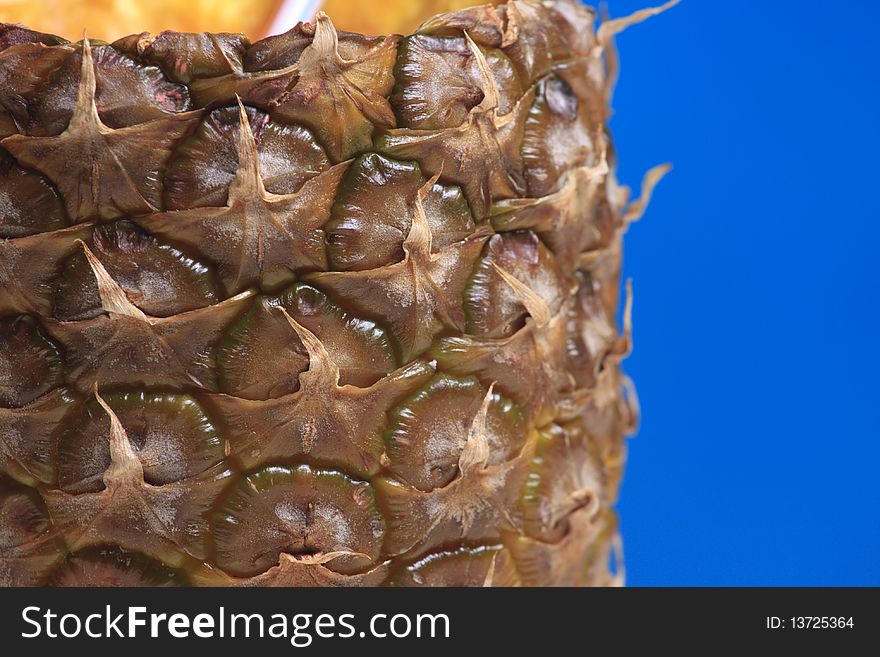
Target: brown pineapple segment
x: 530, y: 366
x: 298, y: 511
x: 24, y: 68
x: 28, y: 436
x: 170, y: 434
x: 532, y: 39
x: 340, y: 97
x: 574, y: 220
x: 558, y: 136
x: 101, y: 172
x: 157, y: 278
x: 482, y: 154
x: 206, y: 163
x: 112, y: 567
x: 565, y: 477
x: 28, y: 546
x: 29, y: 265
x: 28, y: 203
x: 165, y: 522
x: 572, y: 561
x: 592, y: 333
x: 12, y: 34
x: 374, y: 211
x: 484, y: 23
x: 417, y: 296
x: 127, y: 93
x: 260, y: 359
x: 187, y: 56
x: 493, y: 303
x: 439, y: 82
x: 428, y: 432
x: 323, y: 421
x: 258, y: 238
x: 478, y: 505
x: 30, y: 362
x: 126, y: 346
x: 489, y: 565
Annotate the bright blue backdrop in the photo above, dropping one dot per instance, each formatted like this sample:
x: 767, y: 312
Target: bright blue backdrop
x: 756, y: 292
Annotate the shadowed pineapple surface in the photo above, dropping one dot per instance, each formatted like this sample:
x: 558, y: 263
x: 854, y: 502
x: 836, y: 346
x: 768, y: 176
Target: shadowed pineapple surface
x: 322, y: 309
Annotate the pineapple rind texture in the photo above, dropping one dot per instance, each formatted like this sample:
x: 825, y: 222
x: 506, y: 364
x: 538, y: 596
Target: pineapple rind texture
x: 320, y: 310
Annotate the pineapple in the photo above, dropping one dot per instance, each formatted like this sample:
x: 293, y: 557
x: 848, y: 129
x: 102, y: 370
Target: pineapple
x: 322, y: 309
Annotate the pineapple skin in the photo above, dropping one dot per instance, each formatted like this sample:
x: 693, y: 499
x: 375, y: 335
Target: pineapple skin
x: 318, y: 310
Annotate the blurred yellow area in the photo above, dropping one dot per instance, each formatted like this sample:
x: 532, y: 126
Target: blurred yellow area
x: 392, y: 16
x: 111, y: 19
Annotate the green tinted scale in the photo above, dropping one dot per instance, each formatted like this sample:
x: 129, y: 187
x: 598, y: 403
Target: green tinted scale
x: 157, y: 278
x: 427, y: 433
x: 301, y: 511
x: 373, y: 213
x: 260, y: 357
x: 170, y: 434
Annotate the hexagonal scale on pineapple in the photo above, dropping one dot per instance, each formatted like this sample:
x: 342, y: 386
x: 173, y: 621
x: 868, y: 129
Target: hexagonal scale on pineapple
x: 572, y: 221
x: 28, y: 203
x: 102, y: 172
x: 565, y: 476
x: 332, y: 424
x: 28, y: 436
x: 260, y: 358
x: 495, y: 305
x: 569, y: 562
x: 485, y: 565
x: 28, y: 546
x: 167, y: 522
x: 109, y: 566
x: 205, y: 164
x: 120, y: 349
x: 170, y: 434
x: 429, y: 430
x: 482, y: 154
x: 280, y: 51
x: 258, y: 238
x: 532, y: 40
x: 484, y: 23
x: 186, y: 56
x: 373, y: 214
x: 157, y: 278
x: 418, y: 296
x: 339, y: 99
x: 591, y: 333
x: 24, y: 68
x: 530, y: 366
x: 28, y: 265
x: 438, y: 82
x: 127, y: 93
x: 30, y: 362
x: 478, y: 505
x: 559, y: 136
x: 300, y: 511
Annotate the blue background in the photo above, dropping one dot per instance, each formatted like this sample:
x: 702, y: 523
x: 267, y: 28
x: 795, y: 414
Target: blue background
x: 755, y: 279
